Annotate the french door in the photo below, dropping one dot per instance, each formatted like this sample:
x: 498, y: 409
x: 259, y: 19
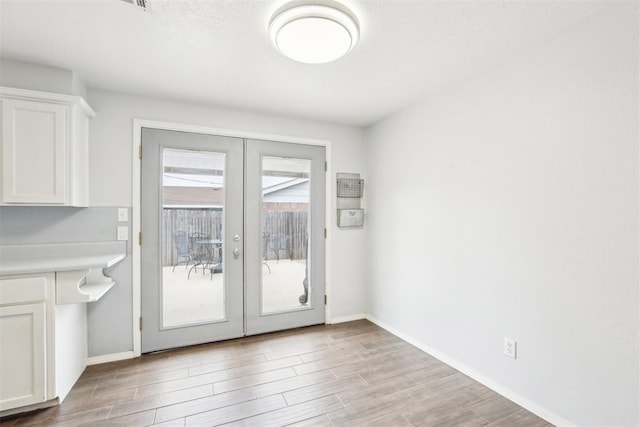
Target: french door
x: 233, y: 237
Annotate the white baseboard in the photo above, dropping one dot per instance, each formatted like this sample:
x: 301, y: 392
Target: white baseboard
x: 29, y: 408
x: 106, y: 358
x: 543, y: 413
x: 349, y: 318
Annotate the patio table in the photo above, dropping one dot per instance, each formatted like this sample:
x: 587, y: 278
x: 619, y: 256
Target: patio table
x: 213, y: 246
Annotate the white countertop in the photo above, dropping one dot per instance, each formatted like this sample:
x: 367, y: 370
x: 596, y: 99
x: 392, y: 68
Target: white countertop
x: 51, y: 257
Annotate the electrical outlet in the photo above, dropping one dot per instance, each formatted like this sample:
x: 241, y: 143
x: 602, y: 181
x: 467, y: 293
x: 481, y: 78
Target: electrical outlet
x: 123, y: 214
x: 123, y: 232
x: 510, y: 347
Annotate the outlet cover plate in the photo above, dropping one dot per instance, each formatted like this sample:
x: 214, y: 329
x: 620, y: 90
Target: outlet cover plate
x: 123, y: 232
x: 510, y: 347
x: 123, y: 214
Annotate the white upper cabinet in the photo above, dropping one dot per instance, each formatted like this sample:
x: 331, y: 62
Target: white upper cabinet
x: 45, y: 148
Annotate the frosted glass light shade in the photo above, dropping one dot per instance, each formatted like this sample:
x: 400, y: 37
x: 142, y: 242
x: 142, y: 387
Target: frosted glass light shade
x: 314, y: 34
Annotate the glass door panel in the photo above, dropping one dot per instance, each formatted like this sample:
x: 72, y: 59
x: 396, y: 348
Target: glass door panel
x: 192, y: 240
x: 285, y: 233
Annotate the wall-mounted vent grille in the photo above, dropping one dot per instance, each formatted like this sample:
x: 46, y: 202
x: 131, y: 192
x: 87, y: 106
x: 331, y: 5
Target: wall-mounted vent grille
x: 140, y: 3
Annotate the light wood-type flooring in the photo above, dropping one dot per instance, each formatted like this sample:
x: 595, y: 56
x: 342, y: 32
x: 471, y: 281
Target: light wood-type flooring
x: 349, y: 374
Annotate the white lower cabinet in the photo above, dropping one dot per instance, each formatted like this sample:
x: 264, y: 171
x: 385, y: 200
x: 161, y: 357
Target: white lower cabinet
x: 22, y: 355
x: 43, y: 346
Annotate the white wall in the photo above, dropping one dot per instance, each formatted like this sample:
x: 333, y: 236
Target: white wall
x: 111, y: 168
x: 508, y: 206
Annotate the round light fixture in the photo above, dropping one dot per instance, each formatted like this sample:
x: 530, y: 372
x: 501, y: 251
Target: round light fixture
x: 314, y: 34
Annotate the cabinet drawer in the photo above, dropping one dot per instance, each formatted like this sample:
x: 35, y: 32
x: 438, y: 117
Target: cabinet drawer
x: 22, y: 290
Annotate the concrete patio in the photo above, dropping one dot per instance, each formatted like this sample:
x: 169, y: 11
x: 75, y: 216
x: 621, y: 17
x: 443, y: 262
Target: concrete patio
x: 200, y: 296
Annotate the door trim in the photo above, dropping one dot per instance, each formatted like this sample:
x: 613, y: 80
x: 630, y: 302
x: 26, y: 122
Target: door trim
x: 138, y: 124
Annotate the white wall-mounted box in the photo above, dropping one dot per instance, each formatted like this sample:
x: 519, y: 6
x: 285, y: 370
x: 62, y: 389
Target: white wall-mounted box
x: 350, y: 217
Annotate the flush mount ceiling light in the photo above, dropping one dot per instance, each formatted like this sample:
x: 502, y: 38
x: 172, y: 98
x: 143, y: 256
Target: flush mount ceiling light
x: 314, y: 34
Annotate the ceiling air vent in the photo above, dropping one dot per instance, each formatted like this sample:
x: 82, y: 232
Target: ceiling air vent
x: 140, y: 3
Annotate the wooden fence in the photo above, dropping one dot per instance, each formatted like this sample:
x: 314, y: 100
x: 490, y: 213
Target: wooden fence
x: 284, y: 233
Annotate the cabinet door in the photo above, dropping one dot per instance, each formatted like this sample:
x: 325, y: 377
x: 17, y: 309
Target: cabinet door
x: 22, y: 355
x: 34, y: 164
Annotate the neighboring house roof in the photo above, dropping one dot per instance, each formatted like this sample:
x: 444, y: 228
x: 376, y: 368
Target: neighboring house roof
x: 207, y: 190
x: 191, y: 176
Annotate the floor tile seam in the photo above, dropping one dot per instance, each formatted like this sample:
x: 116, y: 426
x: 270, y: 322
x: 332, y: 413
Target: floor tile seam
x: 345, y: 354
x: 125, y: 376
x: 289, y: 405
x: 233, y: 420
x: 206, y: 410
x: 146, y: 362
x: 179, y: 389
x: 381, y: 392
x: 128, y: 415
x: 389, y: 356
x: 293, y: 406
x: 248, y: 385
x: 183, y: 378
x: 461, y: 410
x: 408, y: 397
x: 92, y: 400
x: 306, y: 419
x: 302, y: 349
x: 412, y: 352
x: 299, y: 387
x: 407, y: 371
x: 389, y: 377
x: 310, y: 365
x: 63, y: 418
x: 334, y: 380
x: 256, y: 384
x: 449, y: 412
x: 117, y: 387
x: 436, y: 392
x: 167, y: 404
x: 222, y: 369
x: 382, y: 416
x: 366, y: 420
x: 507, y: 414
x: 444, y: 394
x: 55, y: 417
x: 261, y: 372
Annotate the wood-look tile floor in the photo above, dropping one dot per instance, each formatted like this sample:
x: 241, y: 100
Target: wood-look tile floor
x: 349, y: 374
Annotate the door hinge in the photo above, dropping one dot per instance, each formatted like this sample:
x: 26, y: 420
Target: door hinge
x: 325, y: 300
x: 326, y: 166
x: 140, y: 322
x: 140, y: 238
x: 140, y: 151
x: 325, y: 233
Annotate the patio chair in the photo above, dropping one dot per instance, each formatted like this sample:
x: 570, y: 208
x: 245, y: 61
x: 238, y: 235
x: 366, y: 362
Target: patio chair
x: 280, y: 243
x: 181, y: 243
x: 265, y: 245
x: 304, y: 298
x: 200, y: 253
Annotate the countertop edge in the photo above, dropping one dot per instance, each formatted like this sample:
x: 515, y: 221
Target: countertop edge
x: 53, y: 261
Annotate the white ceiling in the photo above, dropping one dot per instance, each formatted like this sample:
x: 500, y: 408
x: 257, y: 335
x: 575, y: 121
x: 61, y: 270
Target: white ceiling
x: 218, y: 51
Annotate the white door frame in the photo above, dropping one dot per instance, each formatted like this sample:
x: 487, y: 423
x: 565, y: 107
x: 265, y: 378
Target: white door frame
x: 138, y: 124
